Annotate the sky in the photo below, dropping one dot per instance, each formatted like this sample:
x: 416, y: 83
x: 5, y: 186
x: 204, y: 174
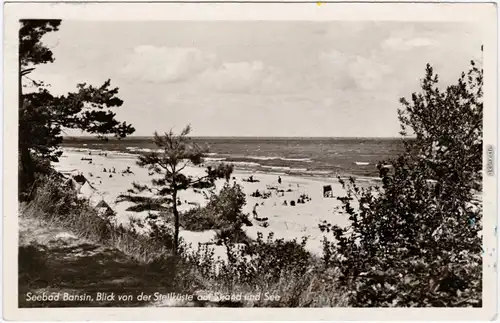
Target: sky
x: 258, y: 78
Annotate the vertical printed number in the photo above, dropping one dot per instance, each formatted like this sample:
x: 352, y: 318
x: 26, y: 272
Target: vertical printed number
x: 490, y: 161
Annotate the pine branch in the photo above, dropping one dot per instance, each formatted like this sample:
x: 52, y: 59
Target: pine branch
x: 27, y: 71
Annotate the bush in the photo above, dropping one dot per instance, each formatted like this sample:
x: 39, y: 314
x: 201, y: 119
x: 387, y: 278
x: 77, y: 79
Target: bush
x: 273, y: 257
x: 401, y: 250
x: 266, y: 265
x: 416, y: 241
x: 223, y: 211
x: 233, y: 234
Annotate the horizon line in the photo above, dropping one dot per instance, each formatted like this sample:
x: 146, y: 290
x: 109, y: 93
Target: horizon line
x: 249, y: 137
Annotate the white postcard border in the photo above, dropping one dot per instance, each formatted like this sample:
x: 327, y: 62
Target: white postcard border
x: 484, y: 14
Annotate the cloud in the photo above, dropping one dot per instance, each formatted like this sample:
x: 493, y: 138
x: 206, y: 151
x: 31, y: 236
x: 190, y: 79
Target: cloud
x: 354, y: 71
x: 407, y: 43
x: 334, y: 57
x: 241, y: 77
x: 199, y: 69
x: 367, y: 72
x: 166, y: 64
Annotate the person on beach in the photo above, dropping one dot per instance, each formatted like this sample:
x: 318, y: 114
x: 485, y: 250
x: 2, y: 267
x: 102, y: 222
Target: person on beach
x: 255, y: 210
x: 279, y: 179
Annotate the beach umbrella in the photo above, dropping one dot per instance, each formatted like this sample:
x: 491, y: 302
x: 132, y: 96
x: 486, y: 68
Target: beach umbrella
x: 86, y: 190
x: 103, y: 209
x: 102, y: 203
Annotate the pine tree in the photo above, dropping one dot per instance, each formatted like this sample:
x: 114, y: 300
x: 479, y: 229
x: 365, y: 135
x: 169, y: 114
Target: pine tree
x: 176, y: 153
x: 43, y: 116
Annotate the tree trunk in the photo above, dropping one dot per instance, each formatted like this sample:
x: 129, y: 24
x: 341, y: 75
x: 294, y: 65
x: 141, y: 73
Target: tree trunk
x: 26, y: 171
x: 176, y: 217
x: 25, y: 166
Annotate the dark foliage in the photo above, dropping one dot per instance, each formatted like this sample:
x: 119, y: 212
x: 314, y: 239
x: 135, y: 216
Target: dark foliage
x: 44, y: 116
x: 416, y: 240
x: 259, y: 266
x: 222, y: 212
x: 31, y: 49
x: 273, y: 257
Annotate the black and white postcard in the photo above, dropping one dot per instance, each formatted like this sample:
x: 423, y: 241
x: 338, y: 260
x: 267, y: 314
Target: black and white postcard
x: 264, y: 161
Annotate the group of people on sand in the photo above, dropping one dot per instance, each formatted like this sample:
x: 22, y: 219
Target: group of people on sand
x: 302, y: 200
x: 250, y: 179
x: 99, y: 154
x: 254, y: 211
x: 113, y: 171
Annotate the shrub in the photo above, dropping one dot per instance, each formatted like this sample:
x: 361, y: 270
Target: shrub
x: 265, y: 265
x: 415, y: 241
x: 273, y: 257
x: 223, y: 211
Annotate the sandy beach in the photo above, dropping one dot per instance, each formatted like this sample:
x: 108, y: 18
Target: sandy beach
x: 286, y: 221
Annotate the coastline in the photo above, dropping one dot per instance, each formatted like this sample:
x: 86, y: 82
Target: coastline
x: 245, y: 167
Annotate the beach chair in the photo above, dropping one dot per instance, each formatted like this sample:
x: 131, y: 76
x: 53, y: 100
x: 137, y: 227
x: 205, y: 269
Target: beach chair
x: 327, y: 191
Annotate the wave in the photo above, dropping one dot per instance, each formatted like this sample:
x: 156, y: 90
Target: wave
x: 240, y: 163
x: 147, y: 150
x: 298, y: 170
x: 279, y: 158
x: 277, y: 167
x: 214, y: 158
x: 95, y: 152
x: 307, y: 160
x: 320, y: 172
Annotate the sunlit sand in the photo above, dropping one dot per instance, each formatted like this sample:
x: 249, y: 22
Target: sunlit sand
x: 285, y: 221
